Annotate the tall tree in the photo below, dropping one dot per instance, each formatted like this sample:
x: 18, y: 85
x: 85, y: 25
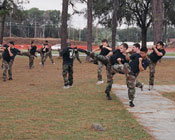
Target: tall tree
x: 157, y: 16
x: 64, y: 33
x: 114, y: 22
x: 89, y: 25
x: 6, y: 7
x: 140, y: 11
x: 4, y: 10
x: 169, y: 18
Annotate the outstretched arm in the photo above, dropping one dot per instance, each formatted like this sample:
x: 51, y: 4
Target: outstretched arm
x: 157, y: 52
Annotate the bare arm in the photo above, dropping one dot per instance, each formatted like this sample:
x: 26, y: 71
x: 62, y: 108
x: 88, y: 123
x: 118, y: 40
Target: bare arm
x: 157, y: 52
x: 141, y: 68
x: 10, y: 53
x: 96, y: 50
x: 108, y: 48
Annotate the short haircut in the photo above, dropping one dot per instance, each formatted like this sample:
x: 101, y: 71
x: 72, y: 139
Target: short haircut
x: 144, y: 49
x: 32, y: 42
x: 161, y: 43
x: 137, y: 45
x: 11, y: 42
x: 104, y: 40
x: 46, y: 41
x: 125, y: 45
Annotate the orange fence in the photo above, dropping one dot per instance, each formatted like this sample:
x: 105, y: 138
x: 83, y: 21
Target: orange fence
x: 25, y: 47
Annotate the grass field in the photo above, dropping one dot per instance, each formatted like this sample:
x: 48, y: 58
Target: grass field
x: 34, y: 106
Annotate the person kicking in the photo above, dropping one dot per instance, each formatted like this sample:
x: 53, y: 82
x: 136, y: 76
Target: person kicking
x: 154, y: 57
x: 135, y: 49
x: 117, y: 57
x: 8, y: 56
x: 68, y: 55
x: 138, y: 63
x: 105, y: 49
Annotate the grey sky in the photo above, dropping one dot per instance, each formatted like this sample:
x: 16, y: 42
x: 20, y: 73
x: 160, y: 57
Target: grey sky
x: 76, y: 21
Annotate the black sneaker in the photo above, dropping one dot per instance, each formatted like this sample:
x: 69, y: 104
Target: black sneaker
x: 131, y: 104
x: 10, y: 79
x: 81, y: 50
x: 142, y: 87
x: 108, y: 95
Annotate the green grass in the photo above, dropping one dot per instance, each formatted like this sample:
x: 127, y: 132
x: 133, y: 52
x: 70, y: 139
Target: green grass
x: 170, y: 95
x: 170, y: 54
x: 35, y: 106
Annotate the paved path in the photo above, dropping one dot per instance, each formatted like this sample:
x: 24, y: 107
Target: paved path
x: 153, y: 111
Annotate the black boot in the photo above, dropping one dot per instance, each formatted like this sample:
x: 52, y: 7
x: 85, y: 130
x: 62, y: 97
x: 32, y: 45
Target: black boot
x: 86, y: 52
x: 108, y: 95
x: 131, y: 104
x: 82, y: 50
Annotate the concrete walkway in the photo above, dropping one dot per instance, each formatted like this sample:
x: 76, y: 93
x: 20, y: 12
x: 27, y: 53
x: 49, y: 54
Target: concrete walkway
x: 153, y: 111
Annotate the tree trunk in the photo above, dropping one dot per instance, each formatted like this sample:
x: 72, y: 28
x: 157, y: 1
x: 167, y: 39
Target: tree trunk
x: 114, y: 23
x: 157, y: 12
x: 166, y: 33
x: 144, y: 37
x: 89, y: 24
x: 64, y: 34
x: 2, y: 24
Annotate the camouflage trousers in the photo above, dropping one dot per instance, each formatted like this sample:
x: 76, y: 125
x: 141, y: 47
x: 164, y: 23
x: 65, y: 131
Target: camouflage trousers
x: 46, y: 55
x: 105, y: 60
x: 111, y: 70
x: 152, y: 67
x: 31, y: 59
x: 99, y: 70
x: 7, y: 66
x: 130, y: 78
x: 67, y: 74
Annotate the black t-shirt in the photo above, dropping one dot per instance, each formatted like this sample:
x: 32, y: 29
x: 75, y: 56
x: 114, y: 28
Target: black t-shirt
x: 44, y: 50
x: 117, y: 54
x: 104, y: 51
x: 134, y: 64
x: 154, y: 57
x: 6, y: 55
x: 33, y: 50
x: 68, y: 55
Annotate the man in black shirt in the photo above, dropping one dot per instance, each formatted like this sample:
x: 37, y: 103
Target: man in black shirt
x: 68, y: 55
x: 48, y: 53
x: 117, y: 57
x: 31, y: 54
x: 155, y: 56
x: 9, y: 55
x: 138, y: 63
x: 135, y: 49
x: 43, y: 51
x: 104, y: 51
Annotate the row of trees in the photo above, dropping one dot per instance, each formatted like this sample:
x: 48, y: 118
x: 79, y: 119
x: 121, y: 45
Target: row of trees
x: 34, y: 23
x: 145, y: 14
x: 111, y: 13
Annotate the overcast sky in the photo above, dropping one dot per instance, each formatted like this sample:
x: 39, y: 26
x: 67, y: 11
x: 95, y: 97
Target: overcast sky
x: 76, y: 21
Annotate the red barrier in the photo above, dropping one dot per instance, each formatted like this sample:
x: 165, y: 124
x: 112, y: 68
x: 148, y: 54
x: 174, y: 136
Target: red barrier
x: 25, y: 47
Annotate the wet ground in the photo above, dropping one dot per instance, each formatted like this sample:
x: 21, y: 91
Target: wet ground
x: 153, y: 111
